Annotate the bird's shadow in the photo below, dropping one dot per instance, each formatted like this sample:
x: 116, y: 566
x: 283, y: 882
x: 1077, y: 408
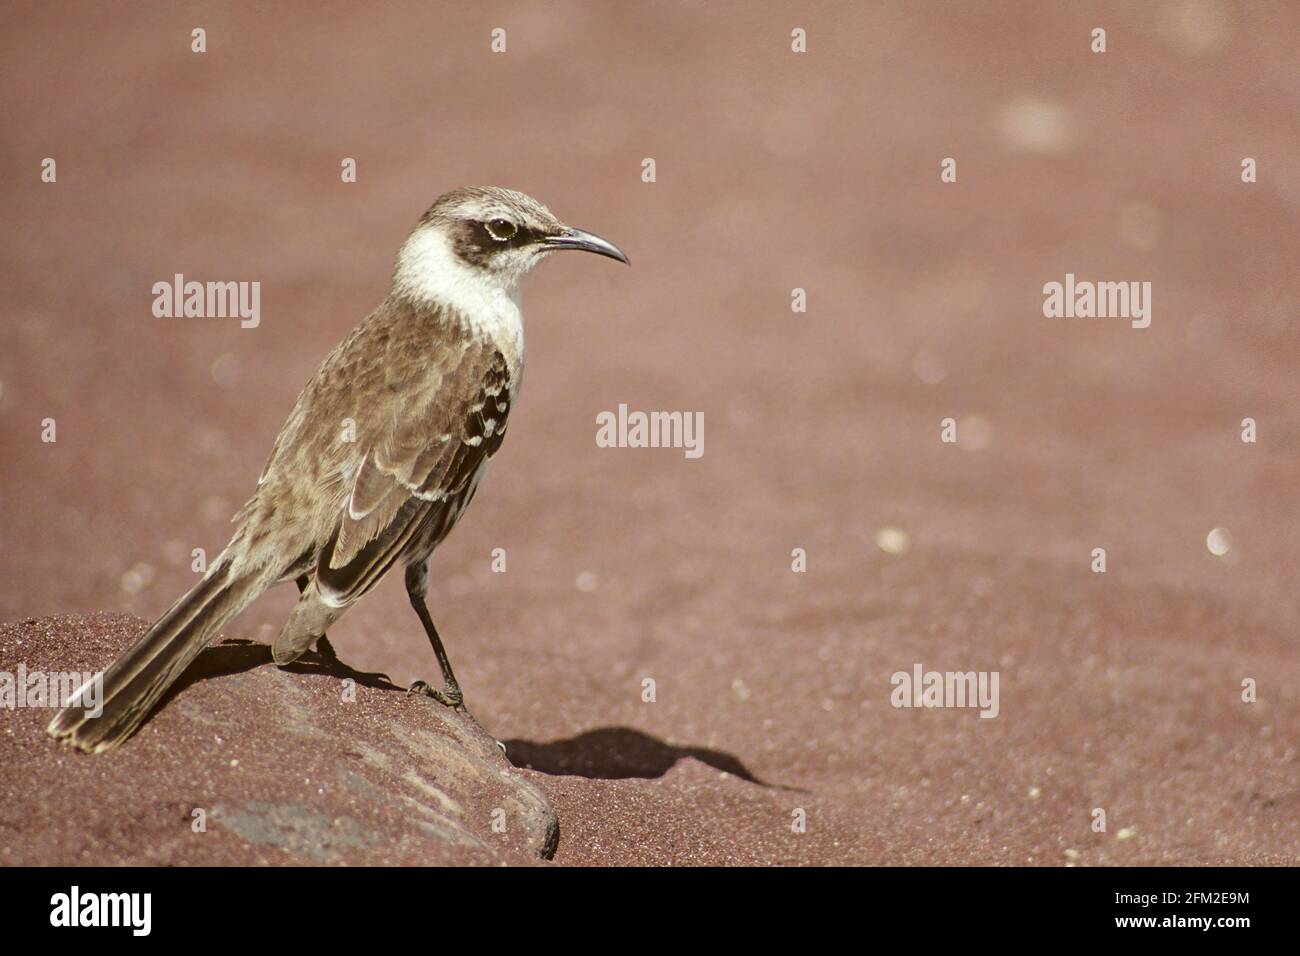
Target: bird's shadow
x: 609, y: 753
x: 235, y: 656
x: 620, y: 753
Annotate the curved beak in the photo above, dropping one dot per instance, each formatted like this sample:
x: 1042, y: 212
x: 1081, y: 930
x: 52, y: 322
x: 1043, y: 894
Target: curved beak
x: 586, y: 241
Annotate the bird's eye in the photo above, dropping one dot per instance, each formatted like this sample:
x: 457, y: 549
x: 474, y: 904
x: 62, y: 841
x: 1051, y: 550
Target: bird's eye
x: 501, y: 229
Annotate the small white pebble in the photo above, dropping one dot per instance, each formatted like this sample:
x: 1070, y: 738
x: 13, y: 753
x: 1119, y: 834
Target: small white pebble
x: 1032, y: 124
x: 893, y: 540
x: 1127, y: 833
x: 225, y: 370
x: 1035, y: 793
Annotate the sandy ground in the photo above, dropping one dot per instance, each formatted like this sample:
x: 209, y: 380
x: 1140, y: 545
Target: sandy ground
x: 1120, y: 691
x: 248, y: 764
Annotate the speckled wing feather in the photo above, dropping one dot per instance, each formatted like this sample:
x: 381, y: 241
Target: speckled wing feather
x: 419, y: 470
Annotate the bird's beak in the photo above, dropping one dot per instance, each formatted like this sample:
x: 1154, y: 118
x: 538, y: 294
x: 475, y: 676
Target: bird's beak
x: 571, y: 238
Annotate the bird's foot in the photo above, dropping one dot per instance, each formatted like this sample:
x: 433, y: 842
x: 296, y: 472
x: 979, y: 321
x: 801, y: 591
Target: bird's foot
x: 450, y: 695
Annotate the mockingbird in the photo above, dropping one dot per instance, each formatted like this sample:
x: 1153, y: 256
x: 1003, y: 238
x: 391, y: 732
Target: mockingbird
x: 381, y: 455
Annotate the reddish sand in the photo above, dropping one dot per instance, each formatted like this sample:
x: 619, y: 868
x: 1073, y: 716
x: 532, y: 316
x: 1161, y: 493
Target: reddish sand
x: 249, y: 764
x: 1119, y: 691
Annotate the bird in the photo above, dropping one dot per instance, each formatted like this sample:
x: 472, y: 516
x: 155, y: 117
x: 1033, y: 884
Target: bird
x: 381, y: 454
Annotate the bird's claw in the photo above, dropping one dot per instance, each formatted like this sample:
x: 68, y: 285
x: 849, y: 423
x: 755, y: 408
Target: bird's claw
x: 449, y: 696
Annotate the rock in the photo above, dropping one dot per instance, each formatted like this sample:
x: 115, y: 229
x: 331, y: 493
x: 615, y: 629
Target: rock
x: 246, y: 763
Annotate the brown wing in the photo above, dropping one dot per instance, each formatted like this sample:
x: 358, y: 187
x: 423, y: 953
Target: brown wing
x: 417, y: 471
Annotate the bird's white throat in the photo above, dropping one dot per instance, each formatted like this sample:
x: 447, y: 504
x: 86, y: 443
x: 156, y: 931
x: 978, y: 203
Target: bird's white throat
x: 430, y: 273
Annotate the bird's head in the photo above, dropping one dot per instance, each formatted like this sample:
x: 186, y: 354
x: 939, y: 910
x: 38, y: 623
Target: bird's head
x: 488, y: 234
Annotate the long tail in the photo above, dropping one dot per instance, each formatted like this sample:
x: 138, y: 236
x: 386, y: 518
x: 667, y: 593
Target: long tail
x: 137, y: 680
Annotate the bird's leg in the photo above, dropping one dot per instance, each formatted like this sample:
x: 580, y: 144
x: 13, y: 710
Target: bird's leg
x: 416, y: 582
x: 323, y: 646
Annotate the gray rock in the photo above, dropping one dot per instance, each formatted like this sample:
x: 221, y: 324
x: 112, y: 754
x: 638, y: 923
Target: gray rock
x: 246, y: 763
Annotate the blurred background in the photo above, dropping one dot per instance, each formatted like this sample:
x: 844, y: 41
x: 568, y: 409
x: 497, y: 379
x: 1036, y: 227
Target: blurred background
x: 774, y: 171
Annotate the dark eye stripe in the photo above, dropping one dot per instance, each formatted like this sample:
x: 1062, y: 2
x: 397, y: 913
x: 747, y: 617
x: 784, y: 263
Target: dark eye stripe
x: 522, y: 237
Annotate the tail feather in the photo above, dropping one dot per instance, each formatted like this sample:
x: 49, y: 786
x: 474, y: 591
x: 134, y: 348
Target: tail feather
x: 136, y: 681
